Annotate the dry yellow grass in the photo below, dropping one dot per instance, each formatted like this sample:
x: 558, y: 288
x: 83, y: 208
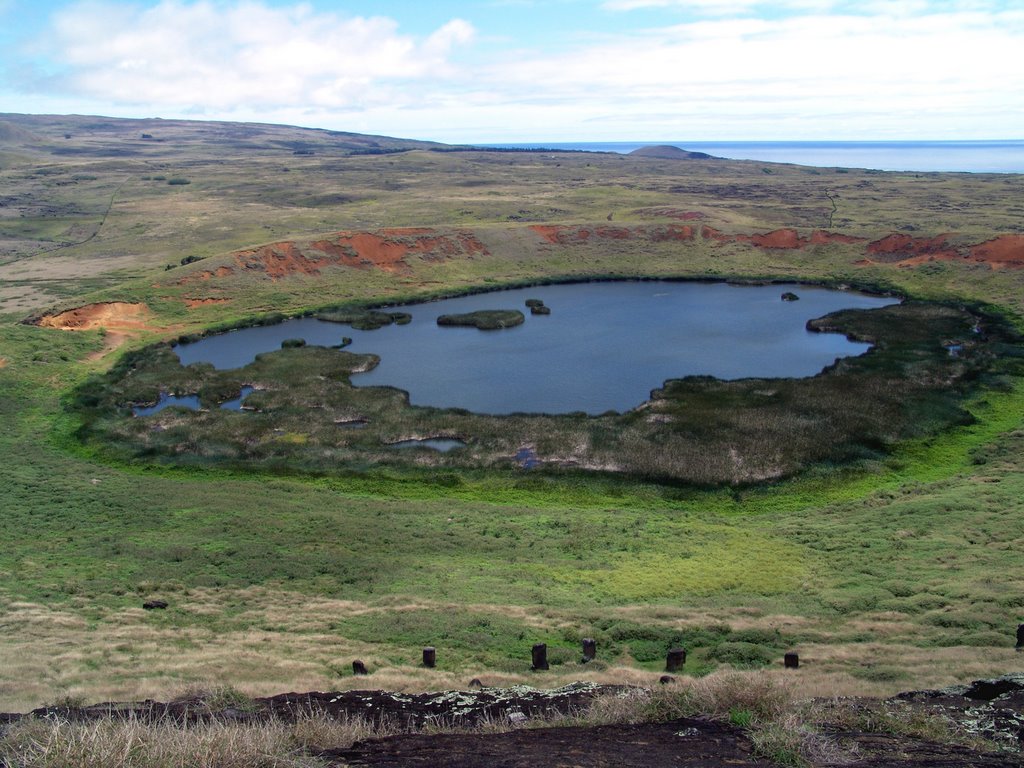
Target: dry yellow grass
x: 135, y: 744
x: 285, y: 643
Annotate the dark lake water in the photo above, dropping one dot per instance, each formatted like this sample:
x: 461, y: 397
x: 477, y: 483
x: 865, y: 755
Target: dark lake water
x: 604, y: 346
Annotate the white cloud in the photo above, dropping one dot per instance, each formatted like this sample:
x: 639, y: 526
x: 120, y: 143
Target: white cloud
x: 721, y: 7
x: 852, y: 74
x: 954, y: 72
x: 776, y: 7
x: 244, y: 54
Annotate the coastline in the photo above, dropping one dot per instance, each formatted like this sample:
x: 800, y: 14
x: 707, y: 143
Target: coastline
x: 987, y: 156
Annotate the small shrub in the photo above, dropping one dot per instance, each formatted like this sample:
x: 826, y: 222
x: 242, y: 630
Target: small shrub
x: 741, y: 718
x: 178, y: 182
x: 742, y: 655
x: 68, y: 701
x: 216, y: 698
x: 645, y: 651
x: 783, y: 743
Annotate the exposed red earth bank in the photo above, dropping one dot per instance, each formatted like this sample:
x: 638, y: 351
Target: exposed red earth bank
x: 1007, y: 250
x: 388, y: 249
x: 1004, y: 251
x: 120, y: 319
x: 397, y: 250
x: 112, y: 315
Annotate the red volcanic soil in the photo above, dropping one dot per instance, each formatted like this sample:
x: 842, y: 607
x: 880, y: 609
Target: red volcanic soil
x: 899, y: 247
x: 783, y: 239
x: 112, y: 315
x: 561, y: 234
x: 822, y: 237
x: 901, y: 250
x: 786, y: 239
x: 780, y: 239
x: 397, y: 250
x: 710, y: 233
x: 1007, y: 250
x: 388, y: 249
x: 120, y: 319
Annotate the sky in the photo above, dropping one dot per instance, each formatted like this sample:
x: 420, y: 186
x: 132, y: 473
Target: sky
x: 526, y: 70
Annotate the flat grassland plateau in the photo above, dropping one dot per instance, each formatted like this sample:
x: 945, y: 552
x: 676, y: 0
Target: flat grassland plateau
x: 891, y: 563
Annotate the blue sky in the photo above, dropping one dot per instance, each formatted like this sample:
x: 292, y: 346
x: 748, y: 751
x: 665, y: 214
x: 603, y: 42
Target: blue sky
x: 520, y: 70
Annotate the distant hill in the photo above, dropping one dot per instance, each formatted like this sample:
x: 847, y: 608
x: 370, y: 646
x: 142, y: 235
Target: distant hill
x: 15, y: 134
x: 668, y: 152
x: 82, y: 135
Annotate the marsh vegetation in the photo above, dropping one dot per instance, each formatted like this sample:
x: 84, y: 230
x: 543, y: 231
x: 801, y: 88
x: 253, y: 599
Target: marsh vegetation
x: 697, y: 430
x: 485, y: 319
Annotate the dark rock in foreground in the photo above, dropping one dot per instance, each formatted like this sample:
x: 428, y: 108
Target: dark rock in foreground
x: 685, y: 743
x: 990, y: 708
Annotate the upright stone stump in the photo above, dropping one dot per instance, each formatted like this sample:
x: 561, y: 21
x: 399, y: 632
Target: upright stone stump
x: 358, y: 668
x: 589, y: 649
x: 675, y: 660
x: 429, y: 657
x: 540, y: 657
x: 1020, y: 637
x: 791, y: 660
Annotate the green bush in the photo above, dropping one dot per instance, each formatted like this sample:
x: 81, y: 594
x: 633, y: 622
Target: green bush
x: 742, y: 655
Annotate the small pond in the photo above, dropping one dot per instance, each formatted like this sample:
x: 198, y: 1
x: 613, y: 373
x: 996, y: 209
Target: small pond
x: 166, y: 401
x: 237, y: 403
x: 442, y: 444
x: 191, y: 402
x: 604, y: 346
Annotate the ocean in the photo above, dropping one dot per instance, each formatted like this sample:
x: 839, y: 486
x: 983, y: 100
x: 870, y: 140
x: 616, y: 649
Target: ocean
x: 921, y: 156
